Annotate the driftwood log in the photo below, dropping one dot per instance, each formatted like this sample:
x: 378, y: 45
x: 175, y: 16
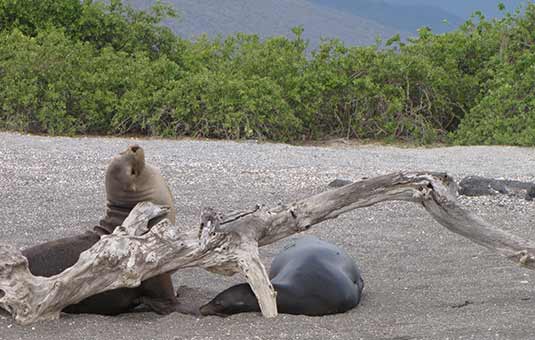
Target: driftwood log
x: 479, y: 186
x: 229, y: 244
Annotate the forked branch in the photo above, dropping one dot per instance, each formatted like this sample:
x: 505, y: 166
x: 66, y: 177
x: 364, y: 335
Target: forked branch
x: 229, y: 244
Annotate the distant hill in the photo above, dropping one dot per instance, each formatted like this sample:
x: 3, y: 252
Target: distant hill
x: 356, y: 22
x: 272, y: 17
x: 464, y: 8
x: 409, y: 15
x: 402, y: 15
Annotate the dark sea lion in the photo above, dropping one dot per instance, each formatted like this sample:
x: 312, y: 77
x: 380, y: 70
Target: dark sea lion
x: 311, y: 277
x: 129, y: 180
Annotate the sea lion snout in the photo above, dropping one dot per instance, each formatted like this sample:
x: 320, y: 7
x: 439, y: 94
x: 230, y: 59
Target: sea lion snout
x: 134, y: 148
x: 138, y: 163
x: 213, y: 308
x: 125, y: 169
x: 237, y: 299
x: 207, y: 309
x: 129, y: 180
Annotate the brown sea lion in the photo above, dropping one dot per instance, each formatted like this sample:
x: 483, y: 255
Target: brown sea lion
x: 129, y: 180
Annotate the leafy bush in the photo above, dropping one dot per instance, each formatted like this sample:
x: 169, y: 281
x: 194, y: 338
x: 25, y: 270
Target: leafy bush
x: 505, y: 113
x: 104, y: 24
x: 70, y: 67
x: 37, y: 81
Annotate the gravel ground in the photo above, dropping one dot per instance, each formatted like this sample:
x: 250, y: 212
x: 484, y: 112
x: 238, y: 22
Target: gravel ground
x: 422, y: 282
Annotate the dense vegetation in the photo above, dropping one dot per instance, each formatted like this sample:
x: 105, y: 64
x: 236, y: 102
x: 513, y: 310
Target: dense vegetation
x: 71, y: 67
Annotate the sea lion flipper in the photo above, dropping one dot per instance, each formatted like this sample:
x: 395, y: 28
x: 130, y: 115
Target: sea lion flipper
x: 189, y: 310
x: 161, y: 306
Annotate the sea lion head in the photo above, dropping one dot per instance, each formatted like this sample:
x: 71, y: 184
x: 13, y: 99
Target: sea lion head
x: 129, y: 180
x: 124, y: 169
x: 237, y: 299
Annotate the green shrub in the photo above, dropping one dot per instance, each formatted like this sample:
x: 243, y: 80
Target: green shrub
x: 506, y: 114
x: 71, y: 67
x: 37, y: 81
x: 217, y: 105
x: 505, y: 111
x: 102, y: 23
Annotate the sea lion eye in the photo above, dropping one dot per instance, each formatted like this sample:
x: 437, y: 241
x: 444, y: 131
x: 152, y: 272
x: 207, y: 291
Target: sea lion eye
x: 133, y: 172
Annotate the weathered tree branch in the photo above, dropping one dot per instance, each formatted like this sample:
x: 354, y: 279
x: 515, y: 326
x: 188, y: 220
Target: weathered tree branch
x: 229, y: 245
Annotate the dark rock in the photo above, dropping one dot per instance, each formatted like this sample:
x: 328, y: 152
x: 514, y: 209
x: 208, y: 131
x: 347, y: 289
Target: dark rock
x: 530, y: 194
x: 338, y: 183
x: 481, y: 186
